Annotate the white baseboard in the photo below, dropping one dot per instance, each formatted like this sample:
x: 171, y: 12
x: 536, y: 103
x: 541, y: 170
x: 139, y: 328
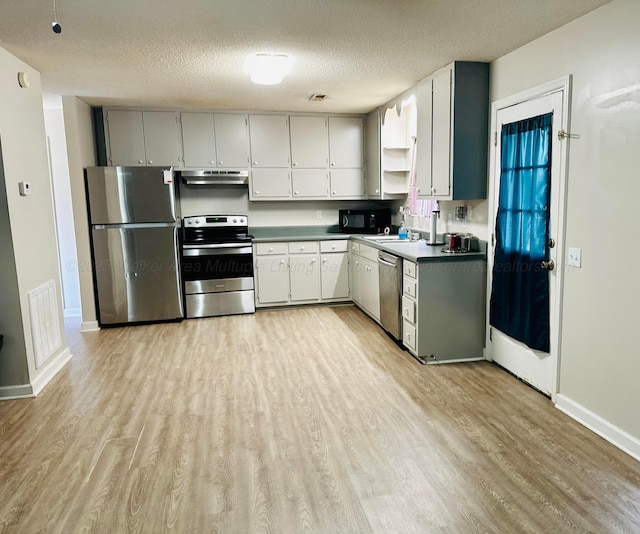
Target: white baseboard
x: 16, y: 392
x: 54, y: 364
x: 618, y: 437
x: 72, y: 312
x: 89, y: 326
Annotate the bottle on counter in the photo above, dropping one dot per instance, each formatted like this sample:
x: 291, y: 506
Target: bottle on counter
x: 402, y: 231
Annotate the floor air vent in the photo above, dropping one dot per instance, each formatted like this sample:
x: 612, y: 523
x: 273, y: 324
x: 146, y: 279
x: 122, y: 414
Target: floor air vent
x: 45, y: 322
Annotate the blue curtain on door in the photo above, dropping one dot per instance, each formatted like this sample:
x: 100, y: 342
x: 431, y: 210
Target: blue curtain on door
x: 520, y: 293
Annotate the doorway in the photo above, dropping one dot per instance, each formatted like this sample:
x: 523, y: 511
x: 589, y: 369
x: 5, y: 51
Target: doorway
x: 535, y: 362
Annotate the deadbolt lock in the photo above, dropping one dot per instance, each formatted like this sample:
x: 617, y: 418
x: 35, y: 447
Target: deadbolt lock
x: 552, y: 242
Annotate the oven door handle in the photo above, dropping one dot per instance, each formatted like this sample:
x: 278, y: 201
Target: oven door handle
x: 214, y: 250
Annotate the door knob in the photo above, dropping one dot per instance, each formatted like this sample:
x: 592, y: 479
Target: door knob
x: 548, y: 265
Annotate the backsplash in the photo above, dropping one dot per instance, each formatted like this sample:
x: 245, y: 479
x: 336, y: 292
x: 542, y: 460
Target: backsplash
x: 477, y: 224
x: 202, y: 200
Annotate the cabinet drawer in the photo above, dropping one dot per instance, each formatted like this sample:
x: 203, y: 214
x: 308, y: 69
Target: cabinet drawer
x: 303, y: 247
x: 409, y: 269
x: 409, y: 335
x: 369, y: 252
x: 408, y: 309
x: 334, y: 245
x: 266, y: 249
x: 409, y: 286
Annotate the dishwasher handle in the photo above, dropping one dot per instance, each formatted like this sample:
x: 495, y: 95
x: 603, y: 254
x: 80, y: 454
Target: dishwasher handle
x: 387, y: 263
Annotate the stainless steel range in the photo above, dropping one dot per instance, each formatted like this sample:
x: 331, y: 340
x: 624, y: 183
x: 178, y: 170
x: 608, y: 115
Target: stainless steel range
x: 217, y: 265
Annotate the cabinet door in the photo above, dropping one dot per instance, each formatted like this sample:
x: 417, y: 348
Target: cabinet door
x: 309, y: 142
x: 424, y: 103
x: 198, y: 140
x: 355, y: 276
x: 269, y: 138
x: 161, y: 138
x: 346, y: 183
x: 304, y: 277
x: 269, y: 184
x: 372, y: 139
x: 334, y: 275
x: 369, y: 288
x: 126, y: 138
x: 441, y: 159
x: 310, y: 183
x: 232, y: 139
x: 346, y: 142
x: 272, y: 276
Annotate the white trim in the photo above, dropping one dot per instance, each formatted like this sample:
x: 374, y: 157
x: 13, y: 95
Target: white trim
x: 458, y: 360
x: 54, y: 364
x: 559, y: 84
x: 16, y: 392
x: 73, y: 312
x: 89, y: 326
x: 614, y: 435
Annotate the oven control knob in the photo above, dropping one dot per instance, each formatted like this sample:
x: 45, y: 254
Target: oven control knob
x: 235, y: 221
x: 241, y: 221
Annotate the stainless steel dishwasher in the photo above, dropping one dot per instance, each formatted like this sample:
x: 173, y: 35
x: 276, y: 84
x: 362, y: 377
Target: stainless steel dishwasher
x: 390, y: 273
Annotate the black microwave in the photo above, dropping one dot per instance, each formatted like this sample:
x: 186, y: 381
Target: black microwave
x: 364, y: 221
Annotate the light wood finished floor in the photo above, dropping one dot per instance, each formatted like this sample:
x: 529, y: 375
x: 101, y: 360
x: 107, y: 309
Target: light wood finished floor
x: 298, y: 420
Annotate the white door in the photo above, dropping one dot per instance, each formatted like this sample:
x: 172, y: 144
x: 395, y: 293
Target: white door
x: 309, y: 142
x: 161, y: 138
x: 232, y: 139
x: 198, y: 140
x: 346, y: 142
x: 269, y: 140
x: 540, y: 369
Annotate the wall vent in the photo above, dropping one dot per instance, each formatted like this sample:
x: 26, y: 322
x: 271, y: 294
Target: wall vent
x: 45, y: 322
x: 317, y: 97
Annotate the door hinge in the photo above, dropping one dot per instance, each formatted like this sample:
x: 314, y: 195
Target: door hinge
x: 495, y: 138
x: 490, y: 334
x: 493, y: 240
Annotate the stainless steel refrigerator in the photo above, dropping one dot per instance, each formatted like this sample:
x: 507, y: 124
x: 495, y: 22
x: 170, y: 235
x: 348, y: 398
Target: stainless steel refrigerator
x: 134, y: 221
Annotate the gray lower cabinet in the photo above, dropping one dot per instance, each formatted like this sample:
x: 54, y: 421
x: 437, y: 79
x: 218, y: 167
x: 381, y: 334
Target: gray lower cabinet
x: 443, y: 309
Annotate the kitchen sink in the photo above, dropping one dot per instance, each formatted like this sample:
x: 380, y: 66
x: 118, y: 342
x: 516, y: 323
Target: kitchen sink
x: 383, y: 238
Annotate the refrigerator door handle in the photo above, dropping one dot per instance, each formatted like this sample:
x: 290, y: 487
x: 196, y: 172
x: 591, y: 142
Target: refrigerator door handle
x: 133, y: 226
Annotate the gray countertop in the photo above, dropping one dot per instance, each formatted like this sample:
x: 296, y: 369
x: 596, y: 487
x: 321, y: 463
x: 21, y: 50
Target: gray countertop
x: 416, y: 251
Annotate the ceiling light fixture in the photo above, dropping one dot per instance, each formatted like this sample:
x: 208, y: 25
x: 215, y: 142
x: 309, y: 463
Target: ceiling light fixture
x: 268, y: 69
x: 54, y: 25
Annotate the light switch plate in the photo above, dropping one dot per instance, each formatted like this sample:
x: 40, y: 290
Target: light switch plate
x: 575, y: 257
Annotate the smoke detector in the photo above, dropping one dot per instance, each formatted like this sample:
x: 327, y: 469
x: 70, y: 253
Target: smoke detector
x: 317, y: 97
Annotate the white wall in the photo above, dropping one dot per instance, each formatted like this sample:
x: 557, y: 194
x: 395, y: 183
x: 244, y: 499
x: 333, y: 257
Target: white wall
x: 81, y: 154
x: 24, y: 153
x: 54, y: 127
x: 202, y: 200
x: 599, y: 360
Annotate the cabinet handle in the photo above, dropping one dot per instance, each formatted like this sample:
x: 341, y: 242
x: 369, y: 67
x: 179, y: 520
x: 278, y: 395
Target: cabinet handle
x: 313, y: 260
x: 324, y: 260
x: 418, y: 189
x: 212, y: 162
x: 255, y: 162
x: 333, y: 192
x: 140, y: 161
x: 333, y: 247
x: 271, y: 249
x: 295, y: 163
x: 295, y: 192
x: 281, y: 262
x: 220, y: 163
x: 301, y: 248
x: 150, y: 162
x: 333, y: 164
x: 256, y: 192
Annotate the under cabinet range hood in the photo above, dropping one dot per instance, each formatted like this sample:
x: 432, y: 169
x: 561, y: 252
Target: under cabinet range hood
x: 215, y: 177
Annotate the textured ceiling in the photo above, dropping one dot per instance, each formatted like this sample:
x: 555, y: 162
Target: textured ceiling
x: 191, y: 53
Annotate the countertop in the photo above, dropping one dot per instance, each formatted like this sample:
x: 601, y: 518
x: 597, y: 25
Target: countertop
x: 416, y: 251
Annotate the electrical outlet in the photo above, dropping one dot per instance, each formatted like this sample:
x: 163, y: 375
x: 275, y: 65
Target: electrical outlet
x: 319, y: 214
x: 24, y: 188
x: 575, y: 257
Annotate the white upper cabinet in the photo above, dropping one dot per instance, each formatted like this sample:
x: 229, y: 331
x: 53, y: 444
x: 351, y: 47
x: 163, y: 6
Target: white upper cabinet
x: 309, y: 183
x: 161, y: 138
x: 198, y: 139
x: 270, y: 184
x: 269, y: 138
x: 452, y: 132
x: 346, y: 183
x: 309, y: 142
x: 232, y: 139
x: 126, y: 138
x: 346, y: 142
x: 215, y: 140
x: 143, y: 138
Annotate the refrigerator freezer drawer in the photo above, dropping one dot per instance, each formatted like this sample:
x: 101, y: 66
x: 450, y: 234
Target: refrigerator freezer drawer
x: 136, y: 273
